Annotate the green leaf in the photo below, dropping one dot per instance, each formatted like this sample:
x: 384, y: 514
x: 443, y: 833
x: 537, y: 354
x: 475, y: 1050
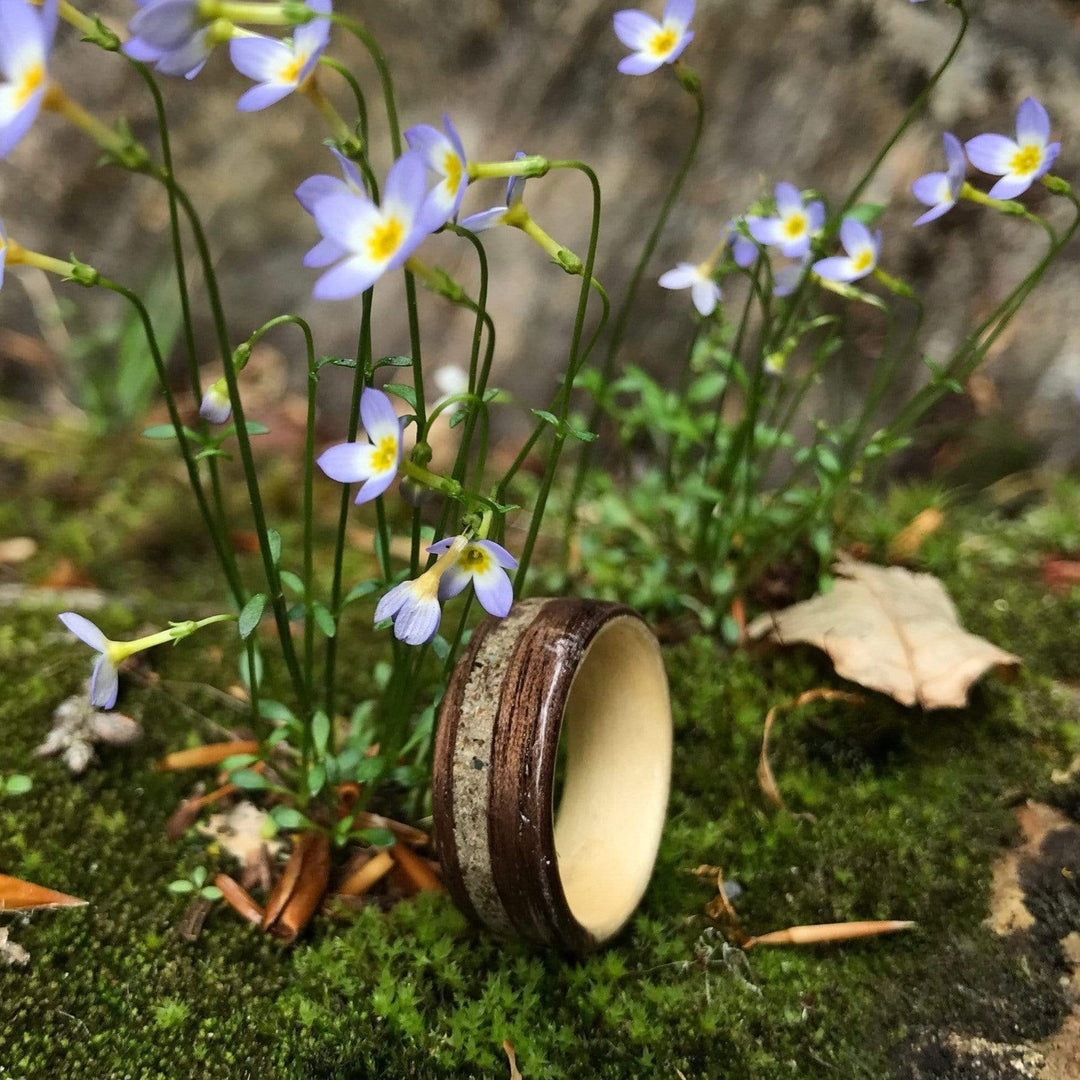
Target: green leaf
x: 249, y: 780
x: 245, y: 673
x: 320, y: 732
x: 19, y: 784
x: 316, y: 778
x: 543, y: 414
x: 210, y: 892
x: 250, y: 616
x: 458, y: 417
x: 238, y: 761
x: 274, y: 710
x: 402, y: 390
x: 292, y: 582
x: 253, y: 427
x: 337, y: 361
x: 359, y: 591
x: 181, y: 886
x: 368, y: 769
x: 394, y: 361
x: 198, y: 875
x: 440, y: 646
x: 324, y: 619
x: 288, y: 818
x: 491, y: 394
x: 277, y: 736
x: 167, y: 431
x: 867, y: 213
x: 376, y: 837
x: 582, y: 435
x: 275, y: 545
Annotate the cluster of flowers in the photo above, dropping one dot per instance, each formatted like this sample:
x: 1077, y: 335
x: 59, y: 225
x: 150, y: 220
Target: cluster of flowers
x: 797, y: 223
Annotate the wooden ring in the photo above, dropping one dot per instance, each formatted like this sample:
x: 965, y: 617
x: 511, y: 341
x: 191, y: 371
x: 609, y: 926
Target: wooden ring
x: 572, y: 877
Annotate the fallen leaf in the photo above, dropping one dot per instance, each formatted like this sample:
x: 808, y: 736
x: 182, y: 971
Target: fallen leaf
x: 312, y: 880
x: 17, y: 549
x: 18, y: 895
x: 766, y: 780
x: 65, y: 575
x: 239, y: 831
x: 906, y: 543
x: 828, y: 933
x: 359, y: 880
x: 11, y: 952
x: 720, y: 909
x: 891, y: 630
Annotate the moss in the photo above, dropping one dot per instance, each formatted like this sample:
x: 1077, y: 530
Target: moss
x: 911, y: 810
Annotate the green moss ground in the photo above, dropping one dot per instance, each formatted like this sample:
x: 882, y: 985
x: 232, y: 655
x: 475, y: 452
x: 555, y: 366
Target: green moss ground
x: 911, y: 811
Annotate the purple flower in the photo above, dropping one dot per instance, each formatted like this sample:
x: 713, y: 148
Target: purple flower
x: 484, y: 563
x: 414, y: 605
x: 26, y: 38
x: 794, y: 225
x: 744, y: 252
x: 940, y: 190
x: 486, y: 219
x: 318, y: 187
x: 654, y: 43
x: 171, y: 35
x: 216, y: 407
x: 445, y: 157
x: 704, y: 292
x: 786, y: 278
x: 370, y: 239
x: 279, y: 67
x: 104, y: 681
x: 374, y: 461
x: 1019, y: 163
x: 862, y: 247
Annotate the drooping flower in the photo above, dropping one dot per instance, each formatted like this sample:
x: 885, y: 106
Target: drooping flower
x: 697, y: 277
x: 279, y: 67
x: 1021, y: 162
x: 171, y: 35
x: 26, y: 39
x: 104, y: 682
x: 486, y: 219
x: 375, y: 461
x: 216, y: 407
x: 862, y: 247
x: 371, y: 238
x: 940, y: 190
x: 444, y: 155
x: 794, y: 225
x: 654, y: 43
x: 484, y: 563
x: 414, y: 605
x: 744, y: 252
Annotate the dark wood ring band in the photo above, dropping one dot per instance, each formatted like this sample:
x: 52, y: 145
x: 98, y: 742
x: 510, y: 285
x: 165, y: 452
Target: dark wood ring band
x: 570, y: 879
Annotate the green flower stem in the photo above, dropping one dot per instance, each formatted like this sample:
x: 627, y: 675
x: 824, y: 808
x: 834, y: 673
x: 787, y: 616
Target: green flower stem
x: 622, y: 315
x: 530, y: 165
x: 123, y: 148
x: 362, y: 374
x: 361, y: 102
x: 121, y: 650
x: 338, y: 128
x: 1006, y: 206
x: 259, y: 14
x: 574, y: 362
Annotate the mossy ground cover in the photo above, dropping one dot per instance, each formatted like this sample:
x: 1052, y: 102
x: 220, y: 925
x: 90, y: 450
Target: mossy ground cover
x: 911, y: 810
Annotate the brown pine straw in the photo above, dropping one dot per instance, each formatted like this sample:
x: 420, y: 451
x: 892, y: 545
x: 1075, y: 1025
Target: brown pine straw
x: 416, y: 869
x: 827, y: 933
x: 314, y: 849
x: 210, y: 754
x: 511, y: 1057
x: 19, y: 895
x: 286, y: 884
x: 239, y: 899
x: 363, y: 877
x: 766, y: 780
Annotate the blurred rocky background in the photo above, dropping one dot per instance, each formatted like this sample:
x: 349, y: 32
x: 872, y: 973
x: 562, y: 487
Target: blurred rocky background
x: 801, y: 90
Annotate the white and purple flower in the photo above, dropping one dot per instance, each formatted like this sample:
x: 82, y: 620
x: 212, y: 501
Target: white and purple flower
x: 368, y: 238
x: 414, y: 606
x: 1018, y: 162
x: 104, y: 681
x: 484, y: 563
x: 487, y: 219
x: 940, y: 190
x: 697, y: 277
x: 444, y: 155
x: 375, y: 461
x: 279, y: 67
x: 654, y: 43
x: 863, y: 248
x: 744, y: 252
x: 171, y: 35
x: 795, y: 223
x: 215, y: 407
x: 786, y: 278
x: 26, y: 39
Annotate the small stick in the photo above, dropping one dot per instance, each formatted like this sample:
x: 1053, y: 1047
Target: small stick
x: 239, y: 899
x: 361, y: 879
x: 416, y: 869
x: 823, y: 933
x: 210, y: 754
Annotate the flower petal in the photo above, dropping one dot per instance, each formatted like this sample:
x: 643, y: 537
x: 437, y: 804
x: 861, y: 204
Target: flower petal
x: 347, y: 279
x: 494, y: 591
x: 104, y: 683
x: 815, y: 214
x: 1008, y: 187
x: 348, y: 219
x: 21, y: 35
x: 635, y: 28
x: 835, y: 268
x: 484, y: 220
x: 954, y: 156
x: 680, y: 11
x: 991, y: 153
x: 1032, y: 122
x: 453, y: 581
x: 426, y: 140
x: 168, y: 24
x: 854, y: 235
x: 260, y: 58
x: 318, y: 187
x: 744, y: 252
x: 679, y: 48
x: 406, y: 184
x: 705, y: 295
x: 788, y: 199
x: 766, y: 230
x: 84, y: 630
x: 498, y: 553
x: 373, y: 488
x: 927, y: 189
x: 378, y: 416
x: 417, y: 620
x: 347, y: 462
x: 263, y: 95
x: 639, y: 64
x: 934, y: 213
x: 324, y: 253
x: 681, y: 277
x: 391, y: 601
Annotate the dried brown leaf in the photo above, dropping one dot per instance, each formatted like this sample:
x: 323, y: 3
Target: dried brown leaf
x: 211, y: 754
x: 891, y: 630
x: 312, y: 880
x: 906, y: 543
x: 239, y: 899
x: 511, y: 1057
x: 239, y: 831
x: 17, y: 895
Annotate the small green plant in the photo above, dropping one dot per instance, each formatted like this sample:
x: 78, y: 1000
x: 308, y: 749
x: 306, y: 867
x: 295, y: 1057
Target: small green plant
x: 195, y: 884
x: 15, y: 784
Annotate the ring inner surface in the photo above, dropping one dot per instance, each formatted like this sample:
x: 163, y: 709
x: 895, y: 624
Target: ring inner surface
x: 617, y: 736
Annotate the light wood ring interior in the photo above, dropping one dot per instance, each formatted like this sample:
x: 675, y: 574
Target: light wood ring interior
x: 618, y: 736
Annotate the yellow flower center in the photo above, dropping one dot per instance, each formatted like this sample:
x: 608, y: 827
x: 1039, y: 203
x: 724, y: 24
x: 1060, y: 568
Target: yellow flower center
x: 31, y: 80
x: 385, y: 239
x: 453, y: 167
x: 291, y: 71
x: 863, y: 261
x: 1026, y: 160
x: 663, y: 41
x: 384, y: 456
x: 475, y: 559
x: 795, y: 225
